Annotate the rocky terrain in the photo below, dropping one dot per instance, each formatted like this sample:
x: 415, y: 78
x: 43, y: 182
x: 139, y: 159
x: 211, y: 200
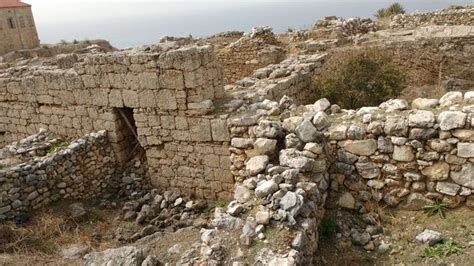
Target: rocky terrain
x: 215, y: 152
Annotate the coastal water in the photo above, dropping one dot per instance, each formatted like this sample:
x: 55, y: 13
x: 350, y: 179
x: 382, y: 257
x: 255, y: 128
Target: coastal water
x: 128, y: 23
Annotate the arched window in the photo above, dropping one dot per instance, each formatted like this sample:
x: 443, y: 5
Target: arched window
x: 11, y: 23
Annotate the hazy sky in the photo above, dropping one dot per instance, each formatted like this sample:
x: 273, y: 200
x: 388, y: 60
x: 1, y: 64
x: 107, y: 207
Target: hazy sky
x: 134, y: 22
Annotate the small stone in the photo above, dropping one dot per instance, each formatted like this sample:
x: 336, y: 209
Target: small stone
x: 448, y: 188
x: 429, y: 237
x: 262, y: 217
x: 234, y: 208
x: 424, y: 103
x: 265, y: 188
x: 347, y: 201
x: 321, y: 121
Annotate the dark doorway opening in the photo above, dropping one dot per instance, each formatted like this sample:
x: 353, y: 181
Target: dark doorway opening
x: 128, y: 129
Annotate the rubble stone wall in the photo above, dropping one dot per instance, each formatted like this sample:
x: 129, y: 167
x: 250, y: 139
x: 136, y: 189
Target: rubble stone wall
x: 463, y: 15
x: 82, y: 170
x: 169, y: 90
x: 252, y: 51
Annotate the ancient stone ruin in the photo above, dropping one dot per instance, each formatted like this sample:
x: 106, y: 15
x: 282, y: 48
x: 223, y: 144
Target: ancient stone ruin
x: 238, y: 124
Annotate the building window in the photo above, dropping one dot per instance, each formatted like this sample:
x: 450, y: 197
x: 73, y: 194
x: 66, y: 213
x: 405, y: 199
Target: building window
x: 11, y: 23
x: 30, y: 22
x: 22, y: 22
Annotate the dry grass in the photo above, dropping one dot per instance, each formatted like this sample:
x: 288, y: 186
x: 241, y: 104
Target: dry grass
x: 50, y: 230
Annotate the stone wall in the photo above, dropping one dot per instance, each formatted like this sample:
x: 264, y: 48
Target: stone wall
x: 456, y: 15
x: 169, y: 90
x: 291, y: 77
x: 23, y: 35
x: 82, y: 170
x: 254, y: 50
x: 285, y: 161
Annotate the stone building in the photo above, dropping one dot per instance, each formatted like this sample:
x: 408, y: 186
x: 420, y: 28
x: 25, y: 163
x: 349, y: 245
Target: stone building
x: 17, y: 26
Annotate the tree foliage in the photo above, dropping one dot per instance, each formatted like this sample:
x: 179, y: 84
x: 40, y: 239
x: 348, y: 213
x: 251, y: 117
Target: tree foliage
x: 392, y: 10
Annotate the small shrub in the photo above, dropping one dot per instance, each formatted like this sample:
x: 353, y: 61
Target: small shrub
x: 328, y: 227
x: 356, y: 79
x: 442, y: 250
x: 75, y: 41
x: 87, y: 41
x: 392, y: 10
x: 44, y: 46
x: 63, y: 42
x: 290, y: 29
x: 437, y: 207
x: 56, y: 146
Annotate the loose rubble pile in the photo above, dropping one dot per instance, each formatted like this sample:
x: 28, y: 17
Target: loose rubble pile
x: 159, y: 211
x: 335, y: 28
x: 36, y: 145
x: 456, y: 15
x: 253, y: 50
x: 292, y: 77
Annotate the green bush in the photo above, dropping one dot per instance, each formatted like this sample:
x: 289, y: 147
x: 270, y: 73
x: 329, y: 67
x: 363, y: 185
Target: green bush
x: 392, y: 10
x: 328, y: 227
x: 443, y: 249
x: 357, y: 79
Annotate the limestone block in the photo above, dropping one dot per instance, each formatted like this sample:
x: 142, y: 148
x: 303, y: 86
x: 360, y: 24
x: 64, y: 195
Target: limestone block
x: 166, y: 100
x: 200, y: 129
x: 451, y: 120
x: 465, y: 177
x: 171, y: 79
x: 130, y: 98
x: 437, y: 171
x: 148, y: 80
x: 403, y: 153
x: 220, y: 132
x: 115, y: 98
x: 466, y: 150
x: 360, y: 147
x: 421, y: 118
x: 146, y: 98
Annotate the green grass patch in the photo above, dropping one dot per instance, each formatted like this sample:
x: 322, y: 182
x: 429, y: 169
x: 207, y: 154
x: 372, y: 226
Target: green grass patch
x: 57, y: 146
x: 437, y: 207
x: 328, y: 228
x: 442, y: 250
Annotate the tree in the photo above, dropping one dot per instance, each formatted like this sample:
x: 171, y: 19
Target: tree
x: 392, y: 10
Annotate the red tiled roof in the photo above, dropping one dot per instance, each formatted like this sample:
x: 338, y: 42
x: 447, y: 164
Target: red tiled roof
x: 12, y: 3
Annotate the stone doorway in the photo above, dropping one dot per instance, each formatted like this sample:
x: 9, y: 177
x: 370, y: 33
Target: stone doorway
x: 129, y: 144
